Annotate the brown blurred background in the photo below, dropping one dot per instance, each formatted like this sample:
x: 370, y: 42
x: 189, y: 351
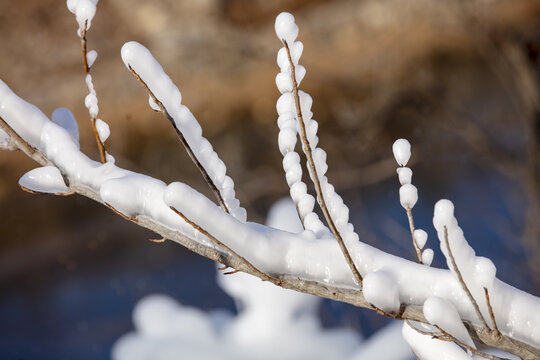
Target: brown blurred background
x: 459, y: 79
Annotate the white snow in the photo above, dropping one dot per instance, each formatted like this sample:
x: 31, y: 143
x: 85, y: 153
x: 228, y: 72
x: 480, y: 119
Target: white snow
x: 404, y: 174
x: 65, y: 119
x: 408, y: 195
x: 381, y: 290
x: 91, y: 101
x: 402, y: 151
x: 288, y: 123
x: 46, y: 180
x: 91, y: 57
x: 84, y: 11
x: 103, y: 130
x: 427, y: 257
x: 420, y: 238
x: 286, y: 28
x: 443, y: 313
x: 139, y: 58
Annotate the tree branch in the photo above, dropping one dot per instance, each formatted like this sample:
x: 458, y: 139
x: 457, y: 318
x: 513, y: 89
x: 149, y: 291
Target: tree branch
x: 320, y: 196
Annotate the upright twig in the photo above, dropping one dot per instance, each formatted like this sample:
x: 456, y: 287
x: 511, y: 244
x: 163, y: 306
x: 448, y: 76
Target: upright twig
x: 318, y: 189
x: 184, y: 142
x: 412, y: 228
x: 100, y: 145
x: 491, y: 314
x: 462, y: 282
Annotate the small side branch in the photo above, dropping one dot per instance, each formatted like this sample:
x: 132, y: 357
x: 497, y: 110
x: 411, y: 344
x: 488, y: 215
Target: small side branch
x: 184, y: 142
x: 411, y: 226
x: 318, y: 189
x: 100, y: 145
x: 462, y: 282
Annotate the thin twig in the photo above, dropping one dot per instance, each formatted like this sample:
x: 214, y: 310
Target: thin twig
x: 184, y: 142
x: 445, y: 336
x: 101, y: 146
x: 462, y: 282
x: 491, y: 314
x: 468, y: 347
x: 121, y: 213
x: 250, y: 266
x: 307, y: 150
x: 411, y: 226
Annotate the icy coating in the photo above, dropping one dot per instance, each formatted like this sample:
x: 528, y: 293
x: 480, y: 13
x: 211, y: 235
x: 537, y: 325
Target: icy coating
x: 272, y: 250
x: 441, y: 312
x: 139, y: 59
x: 84, y: 11
x: 45, y: 179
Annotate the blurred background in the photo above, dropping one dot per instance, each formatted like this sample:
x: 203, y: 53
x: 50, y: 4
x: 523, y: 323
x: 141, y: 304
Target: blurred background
x: 459, y: 79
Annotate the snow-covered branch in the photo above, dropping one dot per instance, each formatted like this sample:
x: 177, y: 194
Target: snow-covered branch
x: 465, y: 304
